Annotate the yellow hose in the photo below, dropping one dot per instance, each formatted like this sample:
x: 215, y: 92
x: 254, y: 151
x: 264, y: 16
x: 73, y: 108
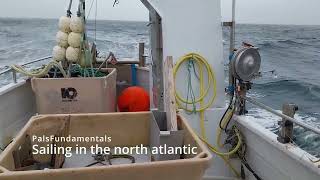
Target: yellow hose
x: 233, y: 151
x: 42, y: 72
x: 204, y: 92
x: 223, y: 124
x: 201, y: 61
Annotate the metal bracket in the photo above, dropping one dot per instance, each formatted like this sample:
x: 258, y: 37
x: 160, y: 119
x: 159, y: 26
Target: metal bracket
x: 242, y: 90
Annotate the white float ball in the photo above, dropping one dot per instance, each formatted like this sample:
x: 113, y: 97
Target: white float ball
x: 64, y: 24
x: 62, y: 39
x: 59, y: 53
x: 73, y: 54
x: 76, y: 24
x: 74, y: 39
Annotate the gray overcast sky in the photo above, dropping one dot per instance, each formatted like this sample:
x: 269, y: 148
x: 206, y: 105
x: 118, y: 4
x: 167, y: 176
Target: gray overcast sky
x: 248, y: 11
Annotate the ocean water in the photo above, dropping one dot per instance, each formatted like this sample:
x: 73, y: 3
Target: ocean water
x: 293, y: 52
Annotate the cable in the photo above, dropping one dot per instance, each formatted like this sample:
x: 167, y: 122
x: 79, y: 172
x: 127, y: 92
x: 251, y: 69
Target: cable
x: 224, y: 115
x: 224, y: 125
x: 232, y: 102
x: 245, y: 163
x: 241, y: 155
x: 228, y: 122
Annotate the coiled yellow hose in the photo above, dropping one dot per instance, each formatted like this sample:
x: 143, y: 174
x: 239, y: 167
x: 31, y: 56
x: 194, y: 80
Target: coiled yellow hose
x: 201, y: 61
x: 204, y: 93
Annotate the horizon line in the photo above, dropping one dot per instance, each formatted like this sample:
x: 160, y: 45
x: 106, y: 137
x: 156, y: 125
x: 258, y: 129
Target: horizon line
x: 240, y: 23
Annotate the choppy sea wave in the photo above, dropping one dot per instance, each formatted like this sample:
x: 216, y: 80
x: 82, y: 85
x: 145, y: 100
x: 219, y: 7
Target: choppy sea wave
x: 303, y: 138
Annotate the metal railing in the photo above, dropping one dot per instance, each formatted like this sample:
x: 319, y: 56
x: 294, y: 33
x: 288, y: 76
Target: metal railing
x: 295, y: 121
x: 14, y: 73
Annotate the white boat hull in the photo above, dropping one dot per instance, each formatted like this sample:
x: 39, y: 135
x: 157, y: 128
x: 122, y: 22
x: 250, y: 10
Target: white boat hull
x: 17, y: 105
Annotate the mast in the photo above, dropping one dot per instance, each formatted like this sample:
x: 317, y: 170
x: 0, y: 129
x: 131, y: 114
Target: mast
x: 232, y: 48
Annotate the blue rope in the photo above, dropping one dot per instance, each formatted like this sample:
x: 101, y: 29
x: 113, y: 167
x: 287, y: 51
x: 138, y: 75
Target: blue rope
x: 190, y: 91
x: 134, y: 75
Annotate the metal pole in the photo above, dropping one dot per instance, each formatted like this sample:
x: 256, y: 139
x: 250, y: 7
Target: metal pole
x: 37, y: 60
x: 232, y: 43
x: 306, y: 126
x: 233, y: 32
x: 157, y: 54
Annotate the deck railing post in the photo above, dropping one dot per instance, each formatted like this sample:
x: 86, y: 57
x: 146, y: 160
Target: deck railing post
x: 142, y: 58
x: 286, y: 126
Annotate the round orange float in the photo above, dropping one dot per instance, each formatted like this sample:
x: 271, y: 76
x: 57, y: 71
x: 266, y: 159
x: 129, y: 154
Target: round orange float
x: 134, y: 99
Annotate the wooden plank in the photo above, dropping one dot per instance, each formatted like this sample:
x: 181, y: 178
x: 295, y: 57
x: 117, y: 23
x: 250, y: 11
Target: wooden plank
x: 169, y: 95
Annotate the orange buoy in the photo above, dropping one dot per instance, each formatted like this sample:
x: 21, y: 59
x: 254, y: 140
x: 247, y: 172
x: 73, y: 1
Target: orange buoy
x: 134, y: 99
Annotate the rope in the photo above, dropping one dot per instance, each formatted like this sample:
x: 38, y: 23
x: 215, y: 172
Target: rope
x: 95, y: 19
x: 86, y: 72
x: 90, y: 9
x: 41, y: 73
x: 95, y: 22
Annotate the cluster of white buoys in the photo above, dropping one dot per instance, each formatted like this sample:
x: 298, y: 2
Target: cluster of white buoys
x: 74, y: 39
x: 68, y: 39
x: 59, y: 51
